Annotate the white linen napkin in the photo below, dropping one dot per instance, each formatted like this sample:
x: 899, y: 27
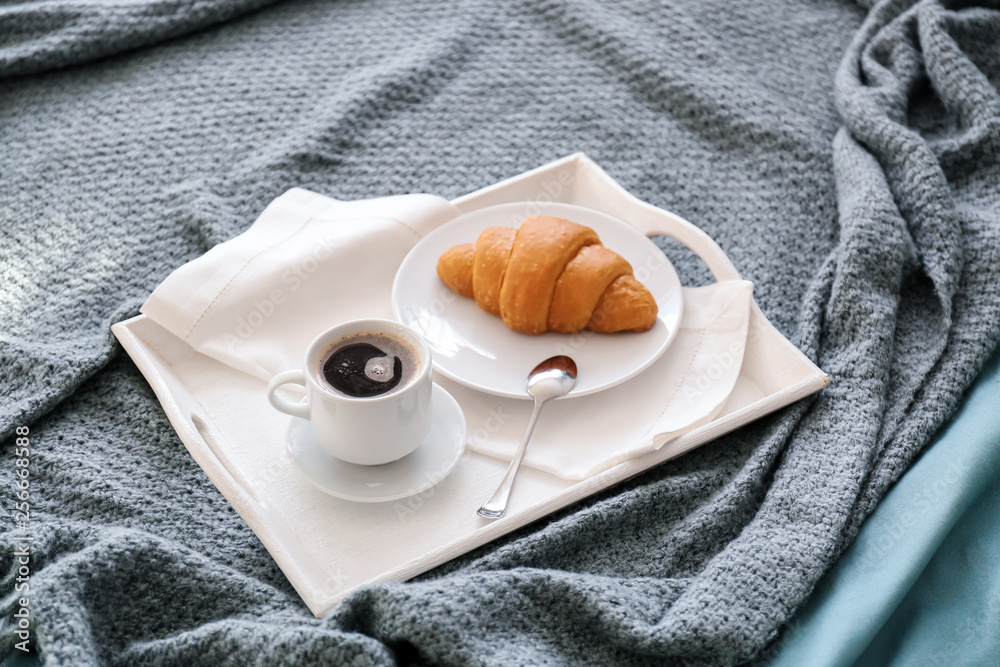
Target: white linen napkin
x: 310, y: 262
x: 306, y: 264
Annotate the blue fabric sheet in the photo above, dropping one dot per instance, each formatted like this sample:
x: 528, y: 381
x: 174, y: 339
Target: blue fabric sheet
x: 921, y: 584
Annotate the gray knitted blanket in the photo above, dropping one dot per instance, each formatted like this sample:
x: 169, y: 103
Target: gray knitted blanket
x: 847, y: 159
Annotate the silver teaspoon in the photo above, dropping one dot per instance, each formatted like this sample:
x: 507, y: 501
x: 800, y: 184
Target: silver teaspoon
x: 550, y: 379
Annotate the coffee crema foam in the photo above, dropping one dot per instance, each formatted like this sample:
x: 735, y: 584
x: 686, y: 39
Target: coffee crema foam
x: 368, y: 364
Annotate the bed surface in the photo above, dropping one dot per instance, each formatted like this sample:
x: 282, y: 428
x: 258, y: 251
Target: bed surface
x: 844, y: 156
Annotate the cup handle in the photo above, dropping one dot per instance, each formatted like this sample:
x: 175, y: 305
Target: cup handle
x: 293, y: 409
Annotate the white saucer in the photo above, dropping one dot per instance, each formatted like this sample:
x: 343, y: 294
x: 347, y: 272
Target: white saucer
x: 426, y: 466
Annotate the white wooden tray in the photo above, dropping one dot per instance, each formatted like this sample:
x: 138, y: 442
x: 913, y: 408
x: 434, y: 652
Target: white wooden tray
x: 328, y: 547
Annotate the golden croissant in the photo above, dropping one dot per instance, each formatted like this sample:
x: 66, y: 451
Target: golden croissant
x: 549, y: 275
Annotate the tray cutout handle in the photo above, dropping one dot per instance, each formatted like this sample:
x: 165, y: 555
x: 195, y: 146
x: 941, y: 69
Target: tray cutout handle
x: 661, y: 223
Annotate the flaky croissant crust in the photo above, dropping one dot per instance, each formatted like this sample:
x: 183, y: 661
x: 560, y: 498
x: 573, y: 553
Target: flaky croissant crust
x: 550, y: 274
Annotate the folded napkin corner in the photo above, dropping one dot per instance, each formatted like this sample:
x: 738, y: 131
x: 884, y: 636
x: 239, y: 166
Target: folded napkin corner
x: 306, y: 264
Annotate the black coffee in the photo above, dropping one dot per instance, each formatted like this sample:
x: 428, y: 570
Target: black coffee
x: 369, y: 364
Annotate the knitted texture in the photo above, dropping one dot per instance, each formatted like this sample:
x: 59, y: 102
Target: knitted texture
x: 863, y: 201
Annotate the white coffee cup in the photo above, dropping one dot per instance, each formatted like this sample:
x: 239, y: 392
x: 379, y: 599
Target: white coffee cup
x: 363, y: 430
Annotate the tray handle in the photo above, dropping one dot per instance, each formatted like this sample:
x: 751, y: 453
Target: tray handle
x: 596, y: 187
x: 657, y: 222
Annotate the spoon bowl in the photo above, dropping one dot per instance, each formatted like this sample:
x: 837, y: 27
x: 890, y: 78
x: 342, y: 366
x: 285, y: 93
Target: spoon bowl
x: 552, y: 378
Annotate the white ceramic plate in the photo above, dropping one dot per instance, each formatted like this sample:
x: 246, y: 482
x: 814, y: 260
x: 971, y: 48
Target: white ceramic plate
x: 418, y: 471
x: 476, y: 349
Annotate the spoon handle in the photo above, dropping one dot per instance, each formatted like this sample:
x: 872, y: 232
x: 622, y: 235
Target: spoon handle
x: 495, y: 506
